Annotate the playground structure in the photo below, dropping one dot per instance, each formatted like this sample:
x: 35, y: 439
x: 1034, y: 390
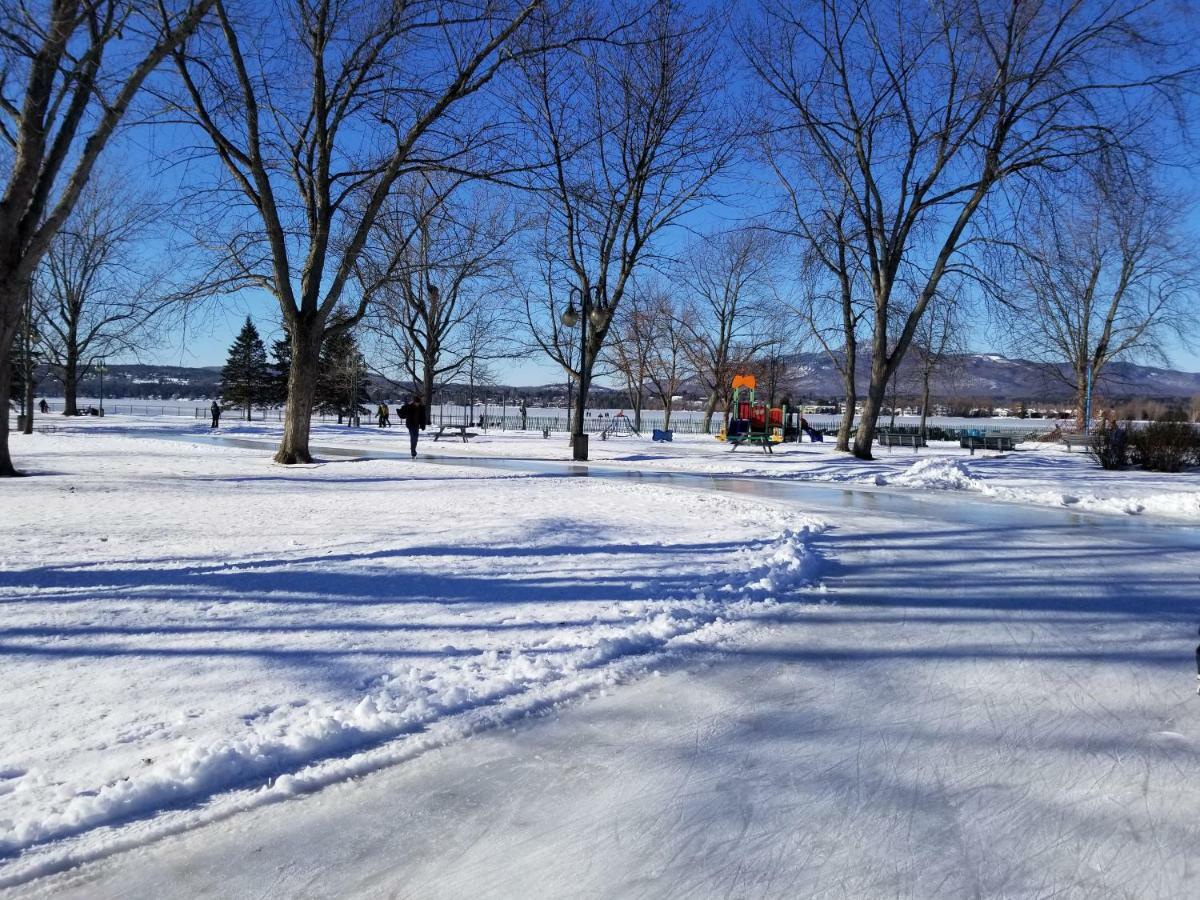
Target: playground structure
x: 619, y: 426
x: 752, y: 421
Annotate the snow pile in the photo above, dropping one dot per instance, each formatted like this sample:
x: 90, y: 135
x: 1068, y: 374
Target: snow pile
x: 1089, y: 491
x: 939, y: 473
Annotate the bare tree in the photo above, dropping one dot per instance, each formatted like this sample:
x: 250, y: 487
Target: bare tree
x: 635, y: 331
x: 727, y: 279
x: 69, y: 72
x: 96, y: 292
x: 667, y: 367
x: 921, y: 112
x: 835, y: 298
x: 443, y: 267
x: 1106, y: 276
x: 635, y: 134
x: 939, y: 337
x: 314, y: 110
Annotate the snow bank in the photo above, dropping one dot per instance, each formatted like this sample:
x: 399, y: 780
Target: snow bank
x: 1084, y: 493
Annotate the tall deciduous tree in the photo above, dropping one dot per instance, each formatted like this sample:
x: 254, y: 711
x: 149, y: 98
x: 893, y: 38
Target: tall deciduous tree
x: 668, y: 369
x: 727, y: 279
x: 635, y: 133
x: 636, y: 330
x: 923, y: 112
x: 97, y: 294
x: 246, y: 379
x: 1104, y: 275
x: 314, y: 110
x: 443, y: 267
x: 69, y: 72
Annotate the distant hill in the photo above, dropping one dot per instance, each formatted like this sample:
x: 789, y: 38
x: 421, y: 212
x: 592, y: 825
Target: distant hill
x: 986, y: 376
x: 994, y: 377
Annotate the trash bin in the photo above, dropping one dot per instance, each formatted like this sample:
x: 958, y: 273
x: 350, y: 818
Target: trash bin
x: 581, y: 447
x: 20, y: 421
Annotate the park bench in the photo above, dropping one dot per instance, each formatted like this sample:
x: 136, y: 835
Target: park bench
x: 1071, y: 441
x: 1000, y: 442
x: 455, y: 431
x: 895, y: 439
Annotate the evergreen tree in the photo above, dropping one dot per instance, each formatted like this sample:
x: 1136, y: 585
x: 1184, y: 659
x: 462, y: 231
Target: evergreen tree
x: 342, y: 381
x: 281, y: 354
x: 246, y: 380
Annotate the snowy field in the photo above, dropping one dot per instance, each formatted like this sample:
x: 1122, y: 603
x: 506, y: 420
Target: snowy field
x: 1041, y: 473
x: 704, y: 674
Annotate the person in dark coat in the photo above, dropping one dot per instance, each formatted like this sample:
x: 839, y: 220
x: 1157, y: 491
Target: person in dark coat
x: 215, y: 409
x: 44, y: 406
x: 383, y: 415
x: 413, y: 414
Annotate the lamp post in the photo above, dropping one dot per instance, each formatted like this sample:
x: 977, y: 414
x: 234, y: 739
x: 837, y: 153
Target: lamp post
x: 101, y: 369
x: 591, y: 310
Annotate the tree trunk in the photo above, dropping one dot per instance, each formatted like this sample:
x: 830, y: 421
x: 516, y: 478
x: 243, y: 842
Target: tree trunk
x: 302, y: 389
x: 427, y: 384
x: 582, y: 383
x: 709, y: 408
x: 893, y: 403
x: 851, y: 390
x: 70, y: 380
x: 1081, y: 400
x: 29, y: 386
x: 876, y: 391
x: 924, y: 401
x: 666, y: 414
x: 8, y: 332
x: 637, y: 409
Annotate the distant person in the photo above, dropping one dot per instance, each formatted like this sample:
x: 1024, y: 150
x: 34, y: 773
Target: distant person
x: 215, y: 409
x: 524, y: 414
x: 44, y: 406
x: 383, y: 414
x: 413, y: 414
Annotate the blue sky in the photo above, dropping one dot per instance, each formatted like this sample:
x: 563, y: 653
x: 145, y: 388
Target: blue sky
x: 159, y: 155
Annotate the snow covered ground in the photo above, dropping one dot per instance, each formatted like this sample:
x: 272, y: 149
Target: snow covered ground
x: 1038, y: 473
x: 871, y: 692
x: 184, y: 621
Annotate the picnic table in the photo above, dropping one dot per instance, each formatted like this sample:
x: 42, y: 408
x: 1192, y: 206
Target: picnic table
x: 455, y: 431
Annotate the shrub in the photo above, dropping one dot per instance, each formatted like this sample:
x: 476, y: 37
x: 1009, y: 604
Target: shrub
x: 1167, y: 446
x: 1110, y: 445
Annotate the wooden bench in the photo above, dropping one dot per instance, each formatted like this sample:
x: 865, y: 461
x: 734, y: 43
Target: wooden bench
x: 455, y: 431
x: 893, y: 439
x: 1071, y: 441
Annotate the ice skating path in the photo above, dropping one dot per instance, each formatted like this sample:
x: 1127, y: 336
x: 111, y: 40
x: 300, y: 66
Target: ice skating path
x: 997, y: 702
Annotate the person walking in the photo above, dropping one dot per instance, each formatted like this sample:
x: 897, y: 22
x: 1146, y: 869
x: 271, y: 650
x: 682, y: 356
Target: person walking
x: 413, y: 414
x: 383, y: 414
x: 215, y: 409
x: 524, y: 414
x: 44, y: 406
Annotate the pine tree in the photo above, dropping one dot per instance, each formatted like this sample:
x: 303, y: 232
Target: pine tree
x: 246, y: 380
x: 281, y: 354
x: 343, y: 375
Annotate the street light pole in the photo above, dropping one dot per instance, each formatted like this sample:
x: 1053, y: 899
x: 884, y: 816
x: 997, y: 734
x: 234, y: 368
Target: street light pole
x: 100, y: 368
x: 579, y: 439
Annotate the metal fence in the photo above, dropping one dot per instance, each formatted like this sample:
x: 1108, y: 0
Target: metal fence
x: 509, y: 419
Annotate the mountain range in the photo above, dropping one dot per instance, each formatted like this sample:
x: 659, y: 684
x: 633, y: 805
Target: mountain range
x: 986, y: 376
